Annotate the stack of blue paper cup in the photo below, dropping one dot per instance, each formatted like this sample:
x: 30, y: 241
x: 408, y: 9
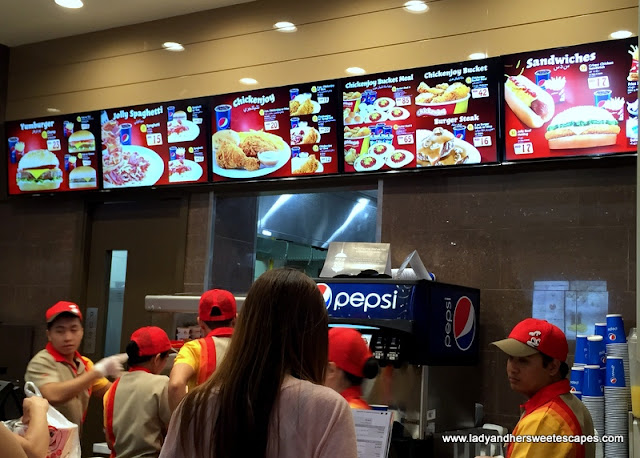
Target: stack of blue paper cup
x: 616, y: 395
x: 616, y: 341
x: 593, y: 395
x: 577, y: 376
x: 597, y: 355
x: 580, y: 358
x: 600, y: 329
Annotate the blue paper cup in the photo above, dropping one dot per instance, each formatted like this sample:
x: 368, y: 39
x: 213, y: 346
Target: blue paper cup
x: 596, y: 351
x: 615, y: 329
x: 577, y: 394
x: 601, y: 330
x: 581, y: 350
x: 591, y: 384
x: 603, y: 377
x: 379, y: 407
x: 615, y: 372
x: 577, y: 376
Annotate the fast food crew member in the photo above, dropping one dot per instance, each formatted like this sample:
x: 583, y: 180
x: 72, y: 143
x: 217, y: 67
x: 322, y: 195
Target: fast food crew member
x: 198, y: 359
x: 536, y: 368
x: 350, y: 361
x: 65, y: 377
x: 136, y: 407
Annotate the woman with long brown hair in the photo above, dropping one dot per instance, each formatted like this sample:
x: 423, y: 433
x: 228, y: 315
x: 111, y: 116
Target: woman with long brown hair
x: 266, y: 399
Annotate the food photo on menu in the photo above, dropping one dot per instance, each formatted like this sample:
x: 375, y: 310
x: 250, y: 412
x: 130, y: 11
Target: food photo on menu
x: 573, y: 101
x: 275, y: 132
x: 429, y: 117
x: 53, y: 154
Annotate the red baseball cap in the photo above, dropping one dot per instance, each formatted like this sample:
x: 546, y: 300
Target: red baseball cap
x: 533, y: 335
x: 63, y: 307
x: 151, y: 340
x: 348, y: 350
x: 217, y: 305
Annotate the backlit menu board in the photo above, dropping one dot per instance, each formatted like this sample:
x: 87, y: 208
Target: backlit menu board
x: 52, y: 154
x: 575, y: 101
x: 425, y: 117
x: 153, y: 145
x: 277, y: 132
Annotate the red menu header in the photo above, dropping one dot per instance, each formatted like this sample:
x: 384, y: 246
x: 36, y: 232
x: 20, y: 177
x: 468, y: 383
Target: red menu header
x: 575, y: 101
x: 52, y: 154
x: 425, y: 117
x: 155, y: 145
x: 278, y: 132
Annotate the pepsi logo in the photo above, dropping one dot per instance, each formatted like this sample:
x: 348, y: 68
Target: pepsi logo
x: 464, y: 323
x: 125, y: 137
x: 327, y: 294
x: 223, y: 123
x: 613, y: 380
x: 612, y: 337
x: 573, y: 389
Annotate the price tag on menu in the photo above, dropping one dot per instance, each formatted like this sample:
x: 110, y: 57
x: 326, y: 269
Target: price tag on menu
x: 403, y: 101
x: 406, y: 139
x: 154, y: 139
x: 323, y: 100
x: 480, y: 92
x: 481, y: 141
x: 271, y: 125
x: 598, y: 82
x: 324, y: 130
x: 53, y: 145
x: 523, y: 148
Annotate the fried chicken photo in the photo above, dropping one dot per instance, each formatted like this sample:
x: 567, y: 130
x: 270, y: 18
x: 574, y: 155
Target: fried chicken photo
x: 309, y: 166
x: 293, y: 107
x: 305, y: 108
x: 230, y: 156
x: 312, y: 136
x: 456, y: 91
x: 257, y: 142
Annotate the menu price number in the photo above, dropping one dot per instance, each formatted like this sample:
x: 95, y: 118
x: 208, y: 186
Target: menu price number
x: 54, y: 145
x: 403, y: 101
x: 198, y: 158
x: 323, y: 100
x: 271, y: 125
x: 482, y: 141
x: 523, y: 148
x: 324, y: 130
x: 154, y: 139
x: 406, y: 139
x: 598, y: 82
x: 480, y: 92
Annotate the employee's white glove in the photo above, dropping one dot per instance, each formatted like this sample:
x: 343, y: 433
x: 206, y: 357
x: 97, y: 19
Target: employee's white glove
x: 111, y: 366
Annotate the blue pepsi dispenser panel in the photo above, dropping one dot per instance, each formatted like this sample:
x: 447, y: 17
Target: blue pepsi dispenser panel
x: 420, y: 322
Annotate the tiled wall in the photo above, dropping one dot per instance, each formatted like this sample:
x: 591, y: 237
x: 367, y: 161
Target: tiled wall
x: 502, y: 231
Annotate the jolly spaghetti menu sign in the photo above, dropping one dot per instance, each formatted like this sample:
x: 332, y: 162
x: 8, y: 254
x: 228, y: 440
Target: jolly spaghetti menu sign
x: 277, y: 132
x: 425, y: 117
x: 52, y: 154
x: 575, y: 101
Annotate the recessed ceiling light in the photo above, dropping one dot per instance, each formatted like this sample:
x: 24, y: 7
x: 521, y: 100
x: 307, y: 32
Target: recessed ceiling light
x: 173, y: 46
x: 266, y: 233
x: 355, y: 71
x: 53, y: 110
x: 416, y: 6
x: 621, y: 34
x: 70, y: 3
x: 285, y: 26
x: 249, y: 81
x: 477, y: 55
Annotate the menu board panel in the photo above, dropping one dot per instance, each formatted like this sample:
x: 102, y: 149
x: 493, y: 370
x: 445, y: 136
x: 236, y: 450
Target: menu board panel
x: 424, y: 117
x: 276, y: 132
x: 52, y: 154
x: 154, y: 145
x: 576, y: 101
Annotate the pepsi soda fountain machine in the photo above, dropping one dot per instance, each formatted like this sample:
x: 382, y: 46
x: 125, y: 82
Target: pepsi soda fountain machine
x: 424, y: 335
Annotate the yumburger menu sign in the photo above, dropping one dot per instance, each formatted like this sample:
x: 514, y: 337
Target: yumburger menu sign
x: 581, y: 100
x: 424, y: 117
x: 277, y: 132
x: 52, y: 154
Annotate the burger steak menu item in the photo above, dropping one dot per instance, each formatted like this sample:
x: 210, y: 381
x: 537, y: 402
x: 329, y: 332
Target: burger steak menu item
x: 154, y: 145
x: 46, y: 154
x: 572, y: 101
x: 277, y: 132
x: 424, y: 117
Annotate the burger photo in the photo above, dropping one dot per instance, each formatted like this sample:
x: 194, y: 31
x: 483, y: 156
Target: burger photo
x: 82, y: 141
x: 38, y: 170
x: 82, y: 177
x: 582, y: 127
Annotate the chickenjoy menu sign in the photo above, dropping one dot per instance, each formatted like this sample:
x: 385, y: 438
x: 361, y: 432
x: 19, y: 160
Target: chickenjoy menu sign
x: 575, y: 101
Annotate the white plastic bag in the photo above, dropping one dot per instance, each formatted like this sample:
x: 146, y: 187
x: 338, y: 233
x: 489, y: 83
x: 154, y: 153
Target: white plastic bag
x: 64, y: 439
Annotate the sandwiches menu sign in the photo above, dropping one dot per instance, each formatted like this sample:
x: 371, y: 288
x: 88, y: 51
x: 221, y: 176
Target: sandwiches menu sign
x: 573, y: 101
x: 52, y: 154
